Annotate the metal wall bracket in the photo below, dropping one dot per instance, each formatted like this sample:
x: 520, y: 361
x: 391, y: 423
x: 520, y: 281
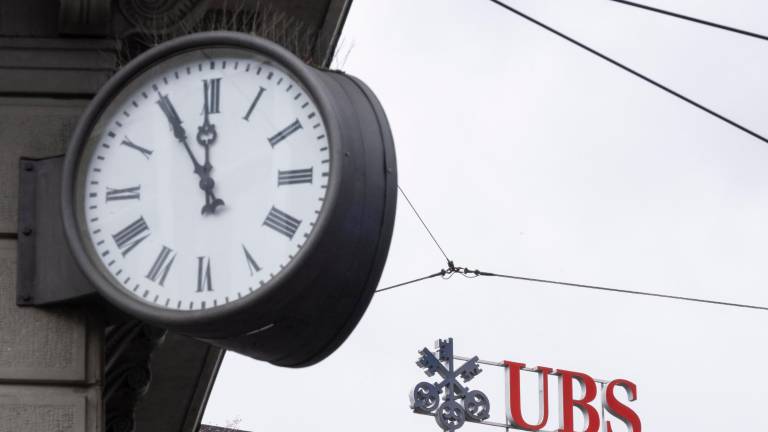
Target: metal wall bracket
x: 47, y: 272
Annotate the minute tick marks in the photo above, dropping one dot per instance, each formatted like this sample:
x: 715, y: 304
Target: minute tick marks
x: 146, y: 163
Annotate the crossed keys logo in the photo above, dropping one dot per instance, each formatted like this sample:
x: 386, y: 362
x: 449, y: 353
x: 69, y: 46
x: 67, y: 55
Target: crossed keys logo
x: 460, y: 404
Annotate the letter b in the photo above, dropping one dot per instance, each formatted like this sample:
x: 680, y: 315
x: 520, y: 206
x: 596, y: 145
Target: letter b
x: 568, y: 402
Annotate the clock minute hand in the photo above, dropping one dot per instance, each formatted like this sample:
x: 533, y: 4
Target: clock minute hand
x: 178, y: 129
x: 206, y: 181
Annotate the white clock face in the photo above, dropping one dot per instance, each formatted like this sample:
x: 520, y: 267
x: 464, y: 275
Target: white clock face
x: 203, y: 179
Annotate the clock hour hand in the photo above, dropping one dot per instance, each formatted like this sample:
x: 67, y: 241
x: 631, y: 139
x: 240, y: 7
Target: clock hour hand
x: 206, y: 181
x: 211, y: 202
x: 206, y: 136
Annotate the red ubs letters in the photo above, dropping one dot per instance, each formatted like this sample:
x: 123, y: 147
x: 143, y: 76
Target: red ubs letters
x: 568, y: 402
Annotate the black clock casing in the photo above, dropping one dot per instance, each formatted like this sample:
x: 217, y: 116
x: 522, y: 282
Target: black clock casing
x: 311, y: 306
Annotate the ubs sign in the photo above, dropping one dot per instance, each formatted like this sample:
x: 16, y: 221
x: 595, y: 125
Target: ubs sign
x: 460, y: 404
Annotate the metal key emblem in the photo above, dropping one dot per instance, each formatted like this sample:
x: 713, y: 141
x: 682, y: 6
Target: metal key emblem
x: 460, y: 404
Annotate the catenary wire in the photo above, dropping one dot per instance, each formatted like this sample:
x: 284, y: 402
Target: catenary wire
x: 692, y: 19
x: 469, y: 273
x: 623, y: 291
x: 424, y: 224
x: 447, y: 273
x: 440, y: 273
x: 632, y: 71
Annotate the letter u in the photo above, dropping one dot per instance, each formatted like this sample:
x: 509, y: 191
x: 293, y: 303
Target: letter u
x: 514, y: 408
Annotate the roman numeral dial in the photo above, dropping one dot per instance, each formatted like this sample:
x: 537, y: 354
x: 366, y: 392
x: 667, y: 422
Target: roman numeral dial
x: 290, y: 177
x: 131, y: 236
x: 213, y: 124
x: 282, y: 222
x: 247, y: 115
x: 212, y: 89
x: 131, y: 145
x: 252, y: 266
x: 129, y: 193
x: 204, y: 281
x: 161, y: 266
x: 285, y: 133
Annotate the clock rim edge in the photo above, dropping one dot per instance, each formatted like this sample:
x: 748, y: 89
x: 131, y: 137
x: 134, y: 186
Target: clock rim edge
x: 186, y: 319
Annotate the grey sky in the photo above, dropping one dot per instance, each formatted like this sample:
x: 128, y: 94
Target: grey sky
x: 527, y: 155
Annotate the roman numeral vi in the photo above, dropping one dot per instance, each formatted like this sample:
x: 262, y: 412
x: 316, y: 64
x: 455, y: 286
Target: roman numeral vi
x: 204, y: 274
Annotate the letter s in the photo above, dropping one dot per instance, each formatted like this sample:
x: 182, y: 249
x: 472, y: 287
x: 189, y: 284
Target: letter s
x: 619, y: 410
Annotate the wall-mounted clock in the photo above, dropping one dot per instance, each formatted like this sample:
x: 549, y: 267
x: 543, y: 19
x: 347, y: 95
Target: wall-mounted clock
x: 219, y: 187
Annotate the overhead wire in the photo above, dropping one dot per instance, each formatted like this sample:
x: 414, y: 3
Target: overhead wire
x: 624, y: 291
x: 440, y: 273
x: 424, y: 224
x: 632, y: 71
x: 416, y: 212
x: 692, y: 19
x: 452, y: 270
x: 469, y: 273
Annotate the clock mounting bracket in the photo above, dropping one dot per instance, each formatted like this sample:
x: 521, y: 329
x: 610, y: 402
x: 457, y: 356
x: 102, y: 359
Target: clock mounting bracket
x: 47, y: 271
